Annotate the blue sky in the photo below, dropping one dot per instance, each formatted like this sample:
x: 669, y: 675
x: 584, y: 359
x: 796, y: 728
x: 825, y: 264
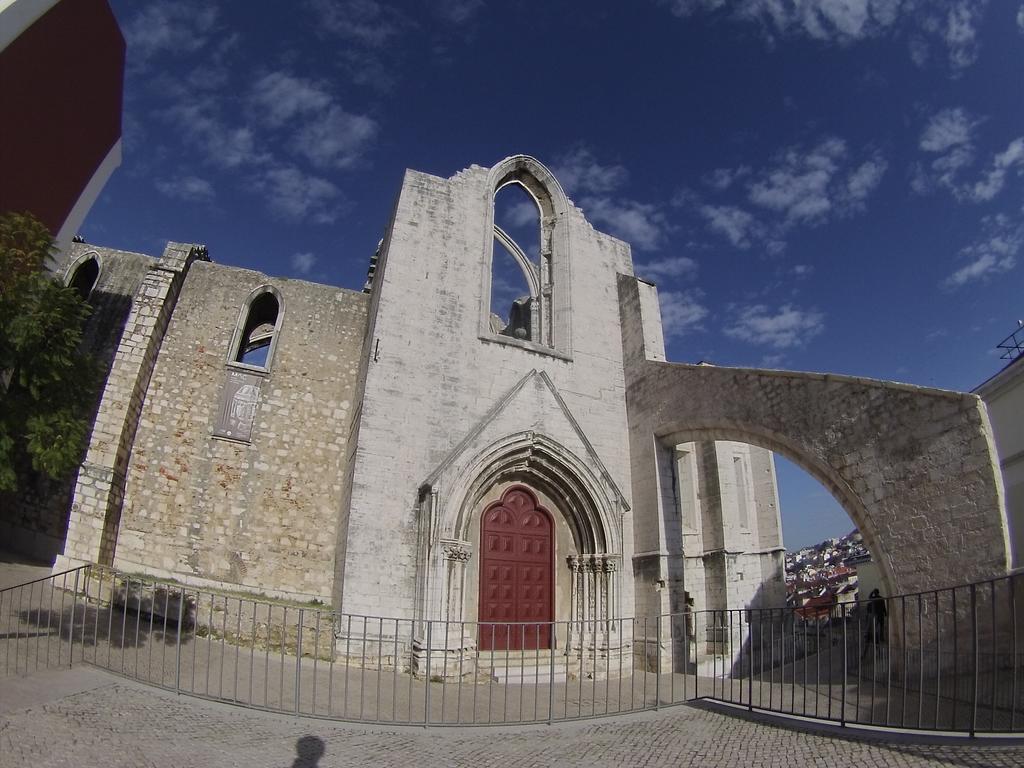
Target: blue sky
x: 825, y: 185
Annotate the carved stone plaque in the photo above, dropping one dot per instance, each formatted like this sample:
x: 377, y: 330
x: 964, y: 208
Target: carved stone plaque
x: 239, y: 398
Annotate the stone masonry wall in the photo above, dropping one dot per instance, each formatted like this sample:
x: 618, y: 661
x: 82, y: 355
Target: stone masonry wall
x: 35, y: 519
x: 261, y: 515
x: 99, y: 487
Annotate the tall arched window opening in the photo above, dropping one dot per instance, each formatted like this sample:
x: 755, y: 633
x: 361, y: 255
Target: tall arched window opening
x: 526, y: 276
x: 515, y: 264
x: 256, y: 336
x: 83, y: 278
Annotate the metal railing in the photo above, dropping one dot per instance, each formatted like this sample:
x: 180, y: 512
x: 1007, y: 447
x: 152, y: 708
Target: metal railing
x: 948, y: 660
x: 1012, y: 346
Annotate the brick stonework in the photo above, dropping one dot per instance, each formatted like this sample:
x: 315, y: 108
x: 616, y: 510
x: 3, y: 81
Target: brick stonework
x: 260, y: 515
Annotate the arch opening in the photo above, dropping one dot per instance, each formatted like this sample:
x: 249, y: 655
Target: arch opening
x: 515, y: 272
x: 83, y: 278
x: 747, y: 461
x: 526, y: 232
x: 257, y: 330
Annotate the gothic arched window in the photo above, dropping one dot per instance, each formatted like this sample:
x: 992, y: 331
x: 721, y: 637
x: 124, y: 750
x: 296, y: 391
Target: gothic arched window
x: 83, y: 274
x: 258, y: 326
x: 527, y: 273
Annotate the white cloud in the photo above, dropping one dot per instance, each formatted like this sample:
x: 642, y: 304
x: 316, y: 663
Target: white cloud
x: 188, y: 188
x: 861, y: 182
x: 366, y: 22
x: 721, y: 179
x: 947, y: 128
x: 994, y: 180
x: 960, y: 35
x: 802, y: 185
x: 643, y: 225
x: 681, y: 312
x: 951, y: 23
x: 280, y: 97
x: 178, y: 27
x: 992, y: 253
x: 806, y: 185
x: 950, y: 134
x: 303, y: 262
x: 579, y: 173
x: 785, y: 328
x: 1020, y: 19
x: 293, y: 194
x: 522, y: 213
x: 224, y: 145
x: 735, y: 223
x: 336, y: 138
x: 324, y: 133
x: 458, y: 11
x: 668, y: 267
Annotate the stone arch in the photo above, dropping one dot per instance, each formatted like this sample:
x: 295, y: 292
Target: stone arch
x: 913, y: 467
x: 580, y: 496
x: 916, y: 466
x: 820, y: 471
x: 554, y: 272
x: 552, y: 468
x: 84, y: 272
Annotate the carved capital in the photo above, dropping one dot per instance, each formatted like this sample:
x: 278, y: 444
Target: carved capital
x: 458, y: 553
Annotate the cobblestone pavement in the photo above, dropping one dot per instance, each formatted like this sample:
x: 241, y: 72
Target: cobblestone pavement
x: 84, y: 717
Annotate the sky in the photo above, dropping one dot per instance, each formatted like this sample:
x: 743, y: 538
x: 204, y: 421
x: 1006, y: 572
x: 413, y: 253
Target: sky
x: 822, y: 185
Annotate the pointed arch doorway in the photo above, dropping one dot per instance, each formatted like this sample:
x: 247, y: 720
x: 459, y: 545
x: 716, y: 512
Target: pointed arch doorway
x: 516, y: 573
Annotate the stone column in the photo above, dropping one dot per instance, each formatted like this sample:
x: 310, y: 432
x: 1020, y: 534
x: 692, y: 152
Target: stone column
x: 593, y: 629
x: 99, y: 488
x: 452, y: 650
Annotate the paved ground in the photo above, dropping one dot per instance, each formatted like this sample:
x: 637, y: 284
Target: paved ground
x: 15, y: 569
x: 84, y: 717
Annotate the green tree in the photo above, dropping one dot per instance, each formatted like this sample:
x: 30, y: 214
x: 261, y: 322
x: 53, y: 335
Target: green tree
x: 46, y: 380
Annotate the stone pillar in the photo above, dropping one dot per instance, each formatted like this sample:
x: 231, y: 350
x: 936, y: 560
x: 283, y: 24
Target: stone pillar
x: 441, y: 639
x: 99, y: 488
x: 594, y: 632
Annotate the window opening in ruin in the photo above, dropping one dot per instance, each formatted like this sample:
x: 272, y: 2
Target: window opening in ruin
x: 515, y: 270
x: 686, y: 487
x: 84, y: 278
x: 255, y: 342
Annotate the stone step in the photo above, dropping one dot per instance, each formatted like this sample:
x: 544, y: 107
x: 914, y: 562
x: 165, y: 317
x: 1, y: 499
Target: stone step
x: 529, y: 675
x: 519, y: 658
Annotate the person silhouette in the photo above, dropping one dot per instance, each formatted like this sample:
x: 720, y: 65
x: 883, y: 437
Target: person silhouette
x: 309, y: 749
x: 874, y: 633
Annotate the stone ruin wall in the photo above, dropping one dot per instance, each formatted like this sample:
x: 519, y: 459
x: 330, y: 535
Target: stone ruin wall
x: 258, y: 516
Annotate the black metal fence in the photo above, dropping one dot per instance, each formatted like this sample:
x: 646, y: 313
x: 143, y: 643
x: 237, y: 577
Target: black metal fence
x: 948, y: 660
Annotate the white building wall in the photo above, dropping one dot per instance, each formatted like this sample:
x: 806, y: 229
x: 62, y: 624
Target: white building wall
x: 1004, y: 396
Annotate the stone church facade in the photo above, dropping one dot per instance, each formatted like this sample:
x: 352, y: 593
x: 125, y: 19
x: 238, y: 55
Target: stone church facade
x: 398, y: 452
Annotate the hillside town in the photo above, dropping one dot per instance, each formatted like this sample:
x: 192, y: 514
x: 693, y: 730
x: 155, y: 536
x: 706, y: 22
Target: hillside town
x: 824, y: 575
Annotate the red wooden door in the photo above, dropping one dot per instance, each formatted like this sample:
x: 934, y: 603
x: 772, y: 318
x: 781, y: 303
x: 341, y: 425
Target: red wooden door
x: 516, y: 566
